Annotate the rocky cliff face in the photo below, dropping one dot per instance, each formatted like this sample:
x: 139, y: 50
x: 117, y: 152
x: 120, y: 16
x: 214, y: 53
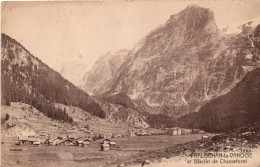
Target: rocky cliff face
x: 103, y: 73
x: 181, y: 65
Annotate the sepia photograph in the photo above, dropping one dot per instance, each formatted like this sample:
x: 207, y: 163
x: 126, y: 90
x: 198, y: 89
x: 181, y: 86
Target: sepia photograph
x: 130, y: 83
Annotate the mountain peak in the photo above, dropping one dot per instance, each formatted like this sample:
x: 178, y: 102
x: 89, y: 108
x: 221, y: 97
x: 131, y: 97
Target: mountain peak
x: 191, y: 9
x: 197, y: 12
x: 193, y: 22
x: 195, y: 7
x: 192, y: 6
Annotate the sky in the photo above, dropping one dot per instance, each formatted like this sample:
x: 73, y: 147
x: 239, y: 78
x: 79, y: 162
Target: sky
x: 58, y: 32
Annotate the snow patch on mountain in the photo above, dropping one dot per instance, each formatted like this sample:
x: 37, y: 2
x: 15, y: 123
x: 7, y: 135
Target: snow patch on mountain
x: 237, y: 28
x: 73, y: 71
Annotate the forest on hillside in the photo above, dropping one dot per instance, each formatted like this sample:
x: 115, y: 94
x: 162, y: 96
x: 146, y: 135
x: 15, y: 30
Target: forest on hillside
x: 39, y: 85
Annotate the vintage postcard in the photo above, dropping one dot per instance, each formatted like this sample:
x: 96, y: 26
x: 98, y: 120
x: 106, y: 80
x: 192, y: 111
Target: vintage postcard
x: 113, y: 83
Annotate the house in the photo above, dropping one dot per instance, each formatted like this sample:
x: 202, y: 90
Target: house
x: 63, y: 142
x: 112, y: 145
x: 105, y: 147
x: 106, y: 141
x: 36, y: 143
x: 204, y: 137
x: 80, y: 143
x: 142, y: 133
x: 179, y: 131
x: 67, y: 142
x: 131, y: 133
x: 46, y: 142
x: 23, y: 140
x: 86, y: 142
x: 31, y: 140
x: 52, y: 141
x: 186, y: 131
x: 71, y: 141
x: 58, y: 142
x: 75, y: 143
x: 172, y: 132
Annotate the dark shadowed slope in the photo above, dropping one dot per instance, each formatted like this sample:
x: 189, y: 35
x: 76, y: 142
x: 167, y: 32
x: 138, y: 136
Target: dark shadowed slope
x: 239, y: 107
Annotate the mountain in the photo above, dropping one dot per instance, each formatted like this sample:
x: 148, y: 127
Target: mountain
x: 104, y: 71
x: 27, y: 79
x: 101, y: 74
x: 73, y: 71
x: 182, y: 65
x: 237, y: 108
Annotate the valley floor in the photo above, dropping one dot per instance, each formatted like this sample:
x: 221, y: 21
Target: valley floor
x: 158, y: 150
x: 53, y: 156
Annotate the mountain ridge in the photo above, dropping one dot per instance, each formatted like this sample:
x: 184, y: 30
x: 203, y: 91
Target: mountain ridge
x: 185, y: 63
